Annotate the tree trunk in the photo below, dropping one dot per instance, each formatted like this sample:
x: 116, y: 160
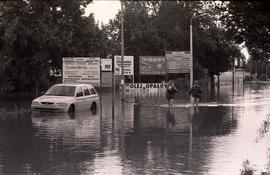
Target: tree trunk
x: 218, y: 88
x: 212, y: 88
x: 212, y: 81
x: 212, y: 94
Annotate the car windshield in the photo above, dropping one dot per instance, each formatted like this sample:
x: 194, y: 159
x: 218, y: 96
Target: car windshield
x: 61, y: 91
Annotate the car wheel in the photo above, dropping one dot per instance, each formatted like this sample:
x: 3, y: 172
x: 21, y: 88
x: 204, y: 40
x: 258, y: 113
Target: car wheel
x: 71, y: 108
x: 93, y: 108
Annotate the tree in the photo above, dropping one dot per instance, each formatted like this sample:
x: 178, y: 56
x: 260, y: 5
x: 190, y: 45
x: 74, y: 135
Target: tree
x: 35, y: 35
x: 248, y: 22
x: 153, y: 27
x: 214, y: 51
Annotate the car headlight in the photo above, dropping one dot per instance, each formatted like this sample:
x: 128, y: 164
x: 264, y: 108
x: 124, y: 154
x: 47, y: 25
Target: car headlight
x: 61, y: 104
x: 35, y: 103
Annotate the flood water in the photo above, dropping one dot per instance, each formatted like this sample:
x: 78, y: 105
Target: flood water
x: 141, y: 136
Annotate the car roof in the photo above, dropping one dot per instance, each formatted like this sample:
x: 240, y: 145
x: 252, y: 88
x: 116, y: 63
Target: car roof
x: 72, y: 84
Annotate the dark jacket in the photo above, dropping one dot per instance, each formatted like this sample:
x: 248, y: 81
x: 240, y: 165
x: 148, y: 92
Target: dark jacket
x: 195, y: 92
x: 170, y: 91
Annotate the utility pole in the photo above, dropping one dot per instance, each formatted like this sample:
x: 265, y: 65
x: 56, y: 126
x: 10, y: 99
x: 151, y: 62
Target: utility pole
x: 191, y: 57
x: 122, y: 53
x: 266, y: 71
x: 191, y: 51
x: 233, y: 75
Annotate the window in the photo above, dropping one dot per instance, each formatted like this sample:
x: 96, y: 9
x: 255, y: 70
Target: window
x: 61, y: 91
x: 93, y: 91
x: 79, y: 92
x: 86, y: 91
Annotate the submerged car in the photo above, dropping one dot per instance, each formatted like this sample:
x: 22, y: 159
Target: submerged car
x: 67, y: 98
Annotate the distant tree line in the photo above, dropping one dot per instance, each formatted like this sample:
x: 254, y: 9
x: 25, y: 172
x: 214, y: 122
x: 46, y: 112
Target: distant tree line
x: 35, y: 35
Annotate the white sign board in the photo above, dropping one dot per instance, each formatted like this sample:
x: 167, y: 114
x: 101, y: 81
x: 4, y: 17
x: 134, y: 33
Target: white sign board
x: 81, y: 70
x: 178, y: 62
x: 145, y: 89
x: 146, y: 85
x: 128, y: 65
x: 106, y: 64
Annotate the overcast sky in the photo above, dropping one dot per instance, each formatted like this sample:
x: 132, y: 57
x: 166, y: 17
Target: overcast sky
x: 103, y: 9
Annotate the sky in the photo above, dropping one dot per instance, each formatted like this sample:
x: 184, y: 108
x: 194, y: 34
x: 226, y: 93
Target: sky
x: 103, y: 10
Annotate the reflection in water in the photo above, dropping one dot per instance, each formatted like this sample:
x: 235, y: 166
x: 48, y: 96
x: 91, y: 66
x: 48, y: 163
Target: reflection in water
x: 152, y: 140
x: 139, y: 137
x: 213, y: 121
x: 47, y: 143
x: 15, y: 119
x: 170, y: 120
x: 15, y: 127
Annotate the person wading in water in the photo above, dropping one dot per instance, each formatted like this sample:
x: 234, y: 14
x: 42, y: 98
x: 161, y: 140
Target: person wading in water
x: 170, y: 91
x: 195, y: 92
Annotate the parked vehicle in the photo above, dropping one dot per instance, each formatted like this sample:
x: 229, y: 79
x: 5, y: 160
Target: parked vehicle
x: 67, y: 98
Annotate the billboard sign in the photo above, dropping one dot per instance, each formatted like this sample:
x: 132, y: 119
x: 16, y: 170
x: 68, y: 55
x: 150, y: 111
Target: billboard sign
x: 178, y: 62
x: 152, y: 65
x: 128, y: 65
x: 106, y: 64
x: 81, y: 70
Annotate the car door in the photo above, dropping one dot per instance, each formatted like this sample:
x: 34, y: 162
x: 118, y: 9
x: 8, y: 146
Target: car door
x: 87, y: 97
x: 93, y: 93
x: 80, y: 99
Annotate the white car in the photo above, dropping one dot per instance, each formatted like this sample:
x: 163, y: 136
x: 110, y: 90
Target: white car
x: 67, y: 98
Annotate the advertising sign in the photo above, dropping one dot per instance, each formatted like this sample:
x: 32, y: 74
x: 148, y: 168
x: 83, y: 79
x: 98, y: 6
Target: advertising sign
x: 152, y: 65
x: 178, y: 62
x: 145, y: 89
x: 106, y: 64
x: 128, y: 65
x: 81, y: 70
x: 146, y: 85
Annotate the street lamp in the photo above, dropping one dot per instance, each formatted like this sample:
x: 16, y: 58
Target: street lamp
x: 191, y: 50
